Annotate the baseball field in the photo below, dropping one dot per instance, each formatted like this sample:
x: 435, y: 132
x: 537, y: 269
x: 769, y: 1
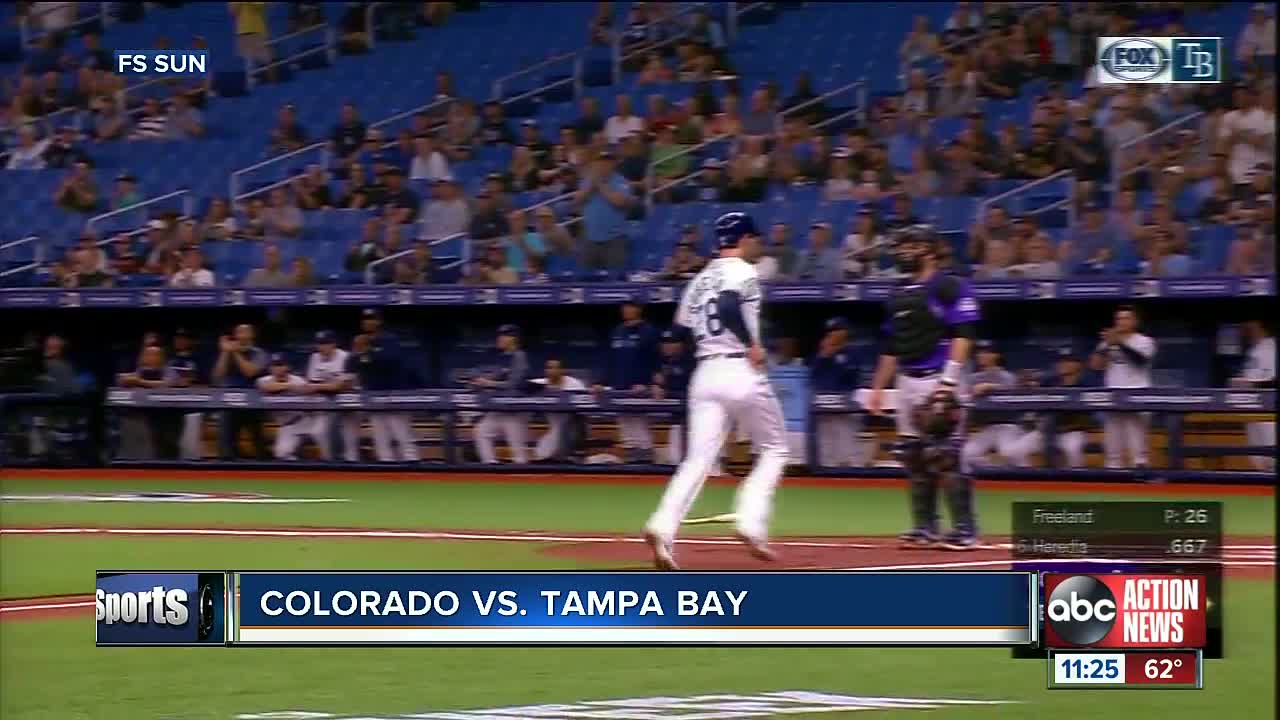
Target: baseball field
x: 58, y: 527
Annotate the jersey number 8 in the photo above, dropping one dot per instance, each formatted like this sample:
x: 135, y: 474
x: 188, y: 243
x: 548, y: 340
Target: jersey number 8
x: 712, y: 312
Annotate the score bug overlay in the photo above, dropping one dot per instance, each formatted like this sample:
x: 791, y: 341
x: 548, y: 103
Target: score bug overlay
x: 1168, y: 669
x: 160, y: 608
x: 1125, y: 611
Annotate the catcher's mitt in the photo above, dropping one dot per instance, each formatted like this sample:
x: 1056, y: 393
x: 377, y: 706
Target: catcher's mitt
x: 939, y: 415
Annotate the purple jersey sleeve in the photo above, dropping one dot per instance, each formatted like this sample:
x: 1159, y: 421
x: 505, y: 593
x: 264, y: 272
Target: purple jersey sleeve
x: 963, y: 307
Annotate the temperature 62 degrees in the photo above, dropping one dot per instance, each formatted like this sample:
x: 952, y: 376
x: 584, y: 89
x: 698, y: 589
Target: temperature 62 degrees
x: 1163, y: 668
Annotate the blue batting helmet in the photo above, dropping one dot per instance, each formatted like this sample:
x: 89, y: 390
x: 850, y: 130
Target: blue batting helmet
x: 730, y: 228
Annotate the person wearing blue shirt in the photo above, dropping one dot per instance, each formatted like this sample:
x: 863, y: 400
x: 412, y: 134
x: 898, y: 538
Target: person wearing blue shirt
x: 188, y: 373
x: 1071, y: 429
x: 631, y: 360
x: 382, y: 367
x: 671, y: 381
x: 834, y: 371
x: 1097, y: 248
x: 510, y: 377
x: 240, y: 363
x: 604, y: 199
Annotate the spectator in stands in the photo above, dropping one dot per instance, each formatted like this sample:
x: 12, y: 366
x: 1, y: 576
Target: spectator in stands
x: 152, y: 124
x: 123, y: 260
x: 623, y: 122
x: 62, y: 151
x: 446, y: 213
x: 589, y: 121
x: 1161, y: 220
x: 820, y: 262
x: 357, y: 192
x: 669, y: 159
x: 29, y: 153
x: 126, y: 191
x: 862, y: 249
x: 760, y: 120
x: 401, y: 202
x: 1164, y: 256
x: 522, y: 242
x: 192, y: 273
x: 683, y: 264
x: 531, y: 137
x: 1040, y: 155
x: 254, y: 226
x: 919, y: 44
x: 252, y: 34
x: 240, y: 362
x: 349, y: 134
x: 161, y: 251
x: 184, y: 122
x: 655, y: 71
x: 604, y: 200
x: 633, y: 165
x: 78, y: 191
x: 562, y: 256
x: 494, y: 128
x: 288, y: 135
x: 301, y: 273
x: 803, y: 94
x: 368, y: 249
x: 93, y: 54
x: 1248, y: 132
x: 923, y: 179
x: 428, y: 163
x: 726, y: 122
x: 85, y: 270
x: 282, y: 218
x: 415, y: 268
x: 501, y: 272
x: 488, y: 221
x: 839, y: 185
x: 956, y: 171
x: 994, y: 229
x: 711, y: 185
x: 272, y: 273
x: 1253, y: 252
x: 218, y: 223
x: 1259, y: 372
x: 1256, y: 46
x: 1037, y: 259
x: 1095, y: 247
x: 110, y: 121
x: 1001, y: 75
x: 312, y: 189
x: 965, y: 20
x: 958, y: 94
x: 917, y: 97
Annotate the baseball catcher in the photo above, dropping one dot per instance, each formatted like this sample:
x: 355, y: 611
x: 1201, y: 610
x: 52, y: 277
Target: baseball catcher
x: 929, y: 329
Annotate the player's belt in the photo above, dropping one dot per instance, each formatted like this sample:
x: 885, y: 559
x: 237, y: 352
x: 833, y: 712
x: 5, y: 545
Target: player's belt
x: 717, y: 356
x: 920, y: 373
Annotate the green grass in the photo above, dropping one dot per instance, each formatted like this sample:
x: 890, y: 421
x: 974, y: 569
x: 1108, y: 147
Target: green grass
x: 49, y: 669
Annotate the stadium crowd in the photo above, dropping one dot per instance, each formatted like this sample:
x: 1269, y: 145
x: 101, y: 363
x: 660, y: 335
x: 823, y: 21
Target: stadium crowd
x: 601, y: 170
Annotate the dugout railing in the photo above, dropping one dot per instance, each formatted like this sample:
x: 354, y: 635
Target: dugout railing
x: 457, y: 409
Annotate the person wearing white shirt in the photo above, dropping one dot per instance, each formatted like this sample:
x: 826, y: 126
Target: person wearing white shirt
x: 326, y: 373
x: 552, y: 442
x: 29, y: 154
x: 1259, y: 371
x: 192, y: 274
x: 1248, y: 133
x: 428, y: 163
x: 293, y: 425
x: 1257, y: 43
x: 623, y: 123
x: 1125, y: 356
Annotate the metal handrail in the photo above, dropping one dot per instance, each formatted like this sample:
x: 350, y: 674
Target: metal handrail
x: 500, y: 82
x: 24, y: 25
x: 1068, y: 175
x: 860, y: 84
x: 369, y: 269
x: 648, y: 172
x: 37, y: 258
x: 188, y: 204
x: 619, y: 58
x: 329, y: 48
x: 233, y: 190
x: 1020, y: 8
x: 1118, y: 174
x: 409, y: 113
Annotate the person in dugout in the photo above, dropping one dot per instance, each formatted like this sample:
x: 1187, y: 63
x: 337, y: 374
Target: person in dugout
x: 630, y: 364
x: 511, y: 376
x: 1071, y: 428
x: 671, y: 381
x: 381, y: 366
x: 834, y: 371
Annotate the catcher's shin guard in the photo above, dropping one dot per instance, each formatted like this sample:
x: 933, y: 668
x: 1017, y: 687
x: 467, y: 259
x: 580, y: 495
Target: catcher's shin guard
x: 960, y: 505
x: 923, y: 485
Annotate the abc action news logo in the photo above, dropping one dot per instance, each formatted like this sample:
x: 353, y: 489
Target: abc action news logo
x: 1125, y: 611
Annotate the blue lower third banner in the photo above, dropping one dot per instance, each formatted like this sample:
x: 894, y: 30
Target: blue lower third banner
x: 637, y: 608
x: 161, y: 608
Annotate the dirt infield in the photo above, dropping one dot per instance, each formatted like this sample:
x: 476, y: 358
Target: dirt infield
x: 1243, y: 556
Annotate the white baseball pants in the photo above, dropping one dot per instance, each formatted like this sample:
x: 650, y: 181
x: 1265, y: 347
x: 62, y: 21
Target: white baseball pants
x: 1000, y: 438
x: 1070, y: 444
x: 191, y: 443
x: 839, y: 444
x: 393, y: 427
x: 634, y: 431
x: 1261, y: 433
x: 351, y: 422
x: 722, y: 391
x: 551, y: 440
x: 911, y: 392
x: 291, y: 435
x: 1124, y: 433
x: 515, y: 426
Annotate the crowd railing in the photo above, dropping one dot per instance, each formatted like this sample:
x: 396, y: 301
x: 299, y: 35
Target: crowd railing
x: 135, y: 215
x: 1136, y: 155
x: 326, y: 44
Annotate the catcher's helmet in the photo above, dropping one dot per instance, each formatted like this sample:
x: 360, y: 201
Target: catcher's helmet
x: 731, y: 227
x: 912, y: 245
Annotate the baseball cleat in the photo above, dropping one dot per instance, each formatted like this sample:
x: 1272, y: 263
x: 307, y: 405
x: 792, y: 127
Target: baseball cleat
x: 918, y: 538
x: 662, y: 557
x: 759, y: 549
x: 959, y: 540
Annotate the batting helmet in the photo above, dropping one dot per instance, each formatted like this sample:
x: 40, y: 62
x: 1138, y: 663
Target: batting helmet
x: 731, y: 227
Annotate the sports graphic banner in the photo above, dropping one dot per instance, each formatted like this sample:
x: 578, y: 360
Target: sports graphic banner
x: 161, y: 608
x: 637, y: 608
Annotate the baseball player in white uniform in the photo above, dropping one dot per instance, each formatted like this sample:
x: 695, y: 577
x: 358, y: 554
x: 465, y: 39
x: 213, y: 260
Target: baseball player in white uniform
x: 989, y: 431
x: 326, y: 372
x: 552, y: 440
x: 293, y: 426
x: 1124, y: 356
x: 721, y: 308
x: 1259, y: 371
